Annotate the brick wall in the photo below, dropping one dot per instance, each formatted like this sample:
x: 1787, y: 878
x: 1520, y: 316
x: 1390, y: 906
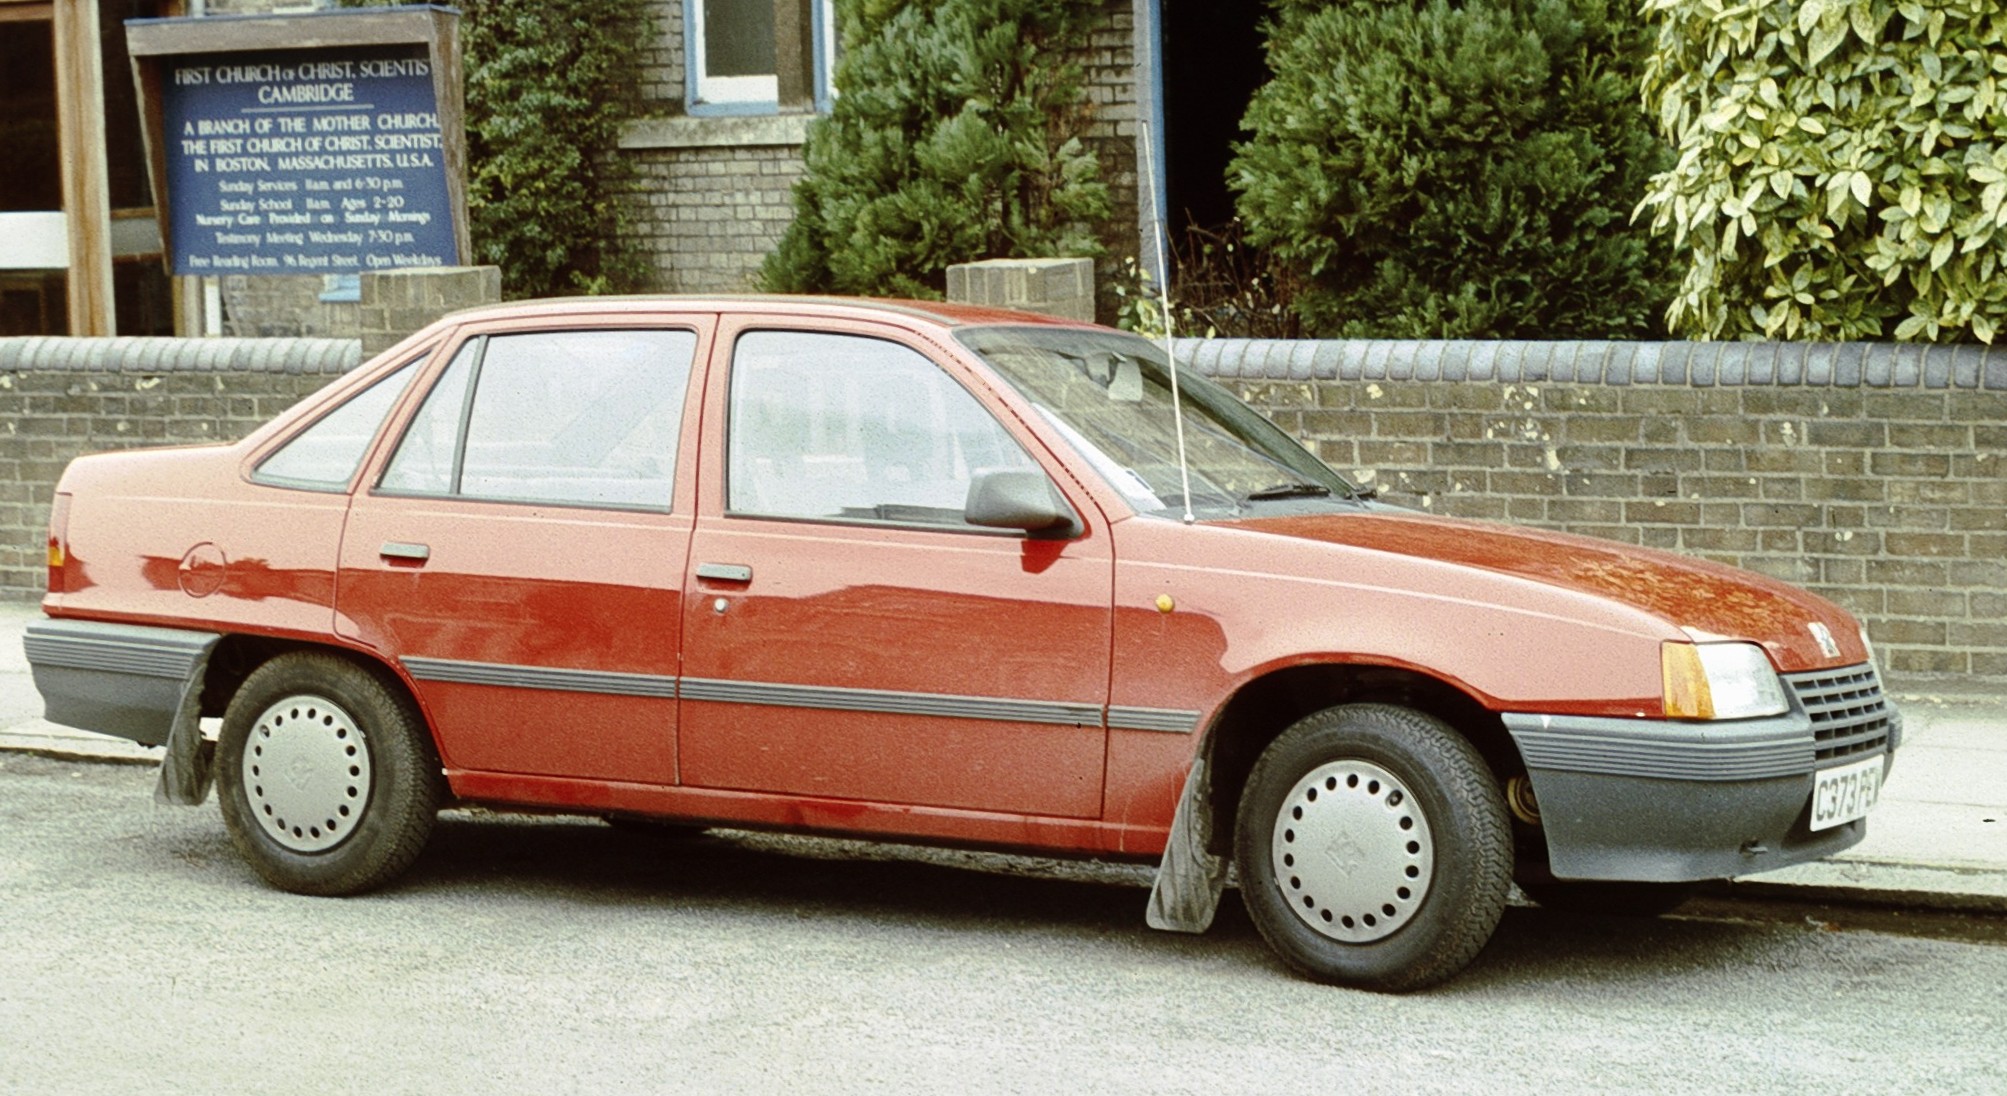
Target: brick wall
x: 707, y: 216
x: 1873, y: 474
x: 60, y: 398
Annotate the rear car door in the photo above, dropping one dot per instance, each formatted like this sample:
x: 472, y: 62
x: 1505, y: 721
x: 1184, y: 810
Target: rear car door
x: 520, y: 551
x: 847, y: 635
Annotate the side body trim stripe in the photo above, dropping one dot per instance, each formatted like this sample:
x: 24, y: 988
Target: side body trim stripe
x: 540, y: 677
x: 828, y: 697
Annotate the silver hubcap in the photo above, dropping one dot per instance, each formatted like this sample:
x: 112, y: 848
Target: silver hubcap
x: 306, y: 773
x: 1352, y: 851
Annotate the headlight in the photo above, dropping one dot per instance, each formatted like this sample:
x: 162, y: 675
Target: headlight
x: 1719, y: 681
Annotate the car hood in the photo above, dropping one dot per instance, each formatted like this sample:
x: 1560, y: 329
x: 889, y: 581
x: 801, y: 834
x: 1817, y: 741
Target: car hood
x: 1706, y: 600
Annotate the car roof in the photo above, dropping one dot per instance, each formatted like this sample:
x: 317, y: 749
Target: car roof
x: 943, y: 313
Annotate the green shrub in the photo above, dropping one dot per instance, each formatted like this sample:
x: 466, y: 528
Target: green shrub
x: 548, y: 84
x: 1454, y: 170
x: 1842, y: 167
x: 955, y: 136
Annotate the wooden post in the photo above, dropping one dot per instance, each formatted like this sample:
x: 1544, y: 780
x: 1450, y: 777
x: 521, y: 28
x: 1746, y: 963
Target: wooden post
x: 80, y: 125
x: 794, y: 55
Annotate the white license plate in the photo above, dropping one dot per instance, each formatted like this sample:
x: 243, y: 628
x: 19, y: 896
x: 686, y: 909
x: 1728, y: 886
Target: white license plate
x: 1845, y: 793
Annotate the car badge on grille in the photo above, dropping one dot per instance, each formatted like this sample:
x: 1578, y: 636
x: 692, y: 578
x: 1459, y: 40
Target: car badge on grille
x: 1824, y: 635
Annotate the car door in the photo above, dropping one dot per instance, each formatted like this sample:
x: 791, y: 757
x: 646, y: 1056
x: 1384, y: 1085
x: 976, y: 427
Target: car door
x: 847, y: 635
x: 520, y: 551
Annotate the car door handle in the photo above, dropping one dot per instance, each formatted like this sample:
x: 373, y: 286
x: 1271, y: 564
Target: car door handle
x: 397, y: 549
x: 725, y: 572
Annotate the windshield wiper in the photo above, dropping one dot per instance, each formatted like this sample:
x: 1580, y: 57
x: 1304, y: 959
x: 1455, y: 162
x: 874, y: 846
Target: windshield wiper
x: 1292, y: 490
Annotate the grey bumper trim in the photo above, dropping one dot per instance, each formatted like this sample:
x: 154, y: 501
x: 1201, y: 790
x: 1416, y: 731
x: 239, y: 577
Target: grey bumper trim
x: 126, y: 680
x: 1738, y: 750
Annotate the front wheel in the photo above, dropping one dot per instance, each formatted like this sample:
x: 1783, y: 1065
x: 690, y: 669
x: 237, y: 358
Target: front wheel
x: 326, y: 775
x: 1374, y: 848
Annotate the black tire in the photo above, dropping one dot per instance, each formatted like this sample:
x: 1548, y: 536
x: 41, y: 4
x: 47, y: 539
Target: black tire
x: 343, y: 749
x: 1609, y: 899
x: 1406, y: 865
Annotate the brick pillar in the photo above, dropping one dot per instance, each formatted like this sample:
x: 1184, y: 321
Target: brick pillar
x: 1056, y: 287
x: 396, y: 303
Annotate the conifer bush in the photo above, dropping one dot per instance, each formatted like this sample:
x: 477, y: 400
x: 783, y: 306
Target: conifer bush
x: 1842, y: 169
x: 1439, y: 169
x: 955, y: 136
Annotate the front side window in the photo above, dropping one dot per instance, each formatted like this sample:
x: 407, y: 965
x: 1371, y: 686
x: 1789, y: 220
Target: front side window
x: 732, y: 56
x: 847, y: 428
x: 324, y: 456
x: 1110, y: 395
x: 580, y: 418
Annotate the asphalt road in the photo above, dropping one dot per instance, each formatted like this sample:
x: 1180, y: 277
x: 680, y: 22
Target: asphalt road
x: 534, y: 955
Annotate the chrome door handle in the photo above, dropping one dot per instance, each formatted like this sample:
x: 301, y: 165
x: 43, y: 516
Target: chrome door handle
x: 725, y: 572
x: 396, y: 549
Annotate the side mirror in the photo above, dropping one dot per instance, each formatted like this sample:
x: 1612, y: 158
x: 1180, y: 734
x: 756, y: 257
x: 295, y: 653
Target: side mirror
x: 1019, y: 500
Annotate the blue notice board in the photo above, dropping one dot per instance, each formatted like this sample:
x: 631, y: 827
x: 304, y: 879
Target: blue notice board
x: 328, y: 161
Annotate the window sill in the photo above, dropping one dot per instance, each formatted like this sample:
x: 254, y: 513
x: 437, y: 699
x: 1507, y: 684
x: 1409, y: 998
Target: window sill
x: 724, y: 131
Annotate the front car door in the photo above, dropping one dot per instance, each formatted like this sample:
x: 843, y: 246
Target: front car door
x: 519, y: 551
x: 847, y: 635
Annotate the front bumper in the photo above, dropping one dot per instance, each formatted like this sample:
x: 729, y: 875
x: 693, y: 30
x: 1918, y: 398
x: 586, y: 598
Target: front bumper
x: 1663, y: 801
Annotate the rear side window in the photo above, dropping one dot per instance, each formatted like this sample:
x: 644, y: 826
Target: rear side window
x: 577, y: 418
x: 324, y: 456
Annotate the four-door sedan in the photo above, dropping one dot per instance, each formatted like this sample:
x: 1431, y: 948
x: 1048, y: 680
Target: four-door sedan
x: 934, y: 573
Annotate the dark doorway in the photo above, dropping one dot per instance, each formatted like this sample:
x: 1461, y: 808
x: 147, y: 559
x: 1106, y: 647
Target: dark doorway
x: 1212, y: 63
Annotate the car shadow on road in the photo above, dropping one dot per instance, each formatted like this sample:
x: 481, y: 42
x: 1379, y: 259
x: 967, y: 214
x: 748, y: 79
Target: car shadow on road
x: 738, y: 873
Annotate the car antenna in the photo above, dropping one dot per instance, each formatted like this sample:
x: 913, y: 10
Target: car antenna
x: 1163, y: 235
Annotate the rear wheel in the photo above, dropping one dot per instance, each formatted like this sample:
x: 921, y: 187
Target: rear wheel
x: 326, y: 775
x: 1374, y: 848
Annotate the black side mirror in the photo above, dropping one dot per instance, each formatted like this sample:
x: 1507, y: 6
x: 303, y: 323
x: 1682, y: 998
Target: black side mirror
x: 1019, y: 500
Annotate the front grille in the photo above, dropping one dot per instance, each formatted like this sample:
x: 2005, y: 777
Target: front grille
x: 1850, y: 716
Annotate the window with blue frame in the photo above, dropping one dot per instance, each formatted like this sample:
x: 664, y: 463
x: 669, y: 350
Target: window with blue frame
x: 731, y: 55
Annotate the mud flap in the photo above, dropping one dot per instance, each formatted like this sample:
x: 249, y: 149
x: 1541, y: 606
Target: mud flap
x: 1190, y: 879
x: 187, y: 770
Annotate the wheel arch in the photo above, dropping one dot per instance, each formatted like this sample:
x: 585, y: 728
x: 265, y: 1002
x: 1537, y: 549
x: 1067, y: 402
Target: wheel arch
x: 1265, y: 706
x: 238, y: 655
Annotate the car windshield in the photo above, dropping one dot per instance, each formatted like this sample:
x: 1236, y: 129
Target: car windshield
x: 1110, y: 395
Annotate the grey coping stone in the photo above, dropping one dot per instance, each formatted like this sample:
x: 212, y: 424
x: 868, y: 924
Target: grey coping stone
x: 1761, y: 363
x: 1996, y: 369
x: 1231, y: 353
x: 1483, y: 362
x: 1267, y: 360
x: 1352, y: 364
x: 1967, y: 363
x: 1451, y: 364
x: 1790, y: 366
x: 1935, y: 370
x: 1375, y: 366
x: 1703, y: 359
x: 1302, y: 360
x: 1557, y: 360
x: 1732, y: 366
x: 1429, y: 359
x: 1878, y: 368
x: 1595, y: 361
x: 1847, y: 367
x: 1647, y: 358
x: 1401, y: 360
x: 137, y: 354
x: 1821, y: 360
x: 1509, y: 356
x: 1538, y: 362
x: 1324, y: 360
x: 1906, y: 370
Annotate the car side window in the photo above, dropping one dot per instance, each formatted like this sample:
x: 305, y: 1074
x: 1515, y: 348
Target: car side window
x: 324, y: 456
x: 849, y: 428
x: 579, y: 418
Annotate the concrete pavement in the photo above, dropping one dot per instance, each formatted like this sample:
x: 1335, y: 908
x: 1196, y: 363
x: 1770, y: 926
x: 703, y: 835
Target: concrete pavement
x: 1937, y: 839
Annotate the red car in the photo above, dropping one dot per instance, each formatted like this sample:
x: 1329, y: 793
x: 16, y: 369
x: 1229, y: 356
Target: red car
x: 935, y: 573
